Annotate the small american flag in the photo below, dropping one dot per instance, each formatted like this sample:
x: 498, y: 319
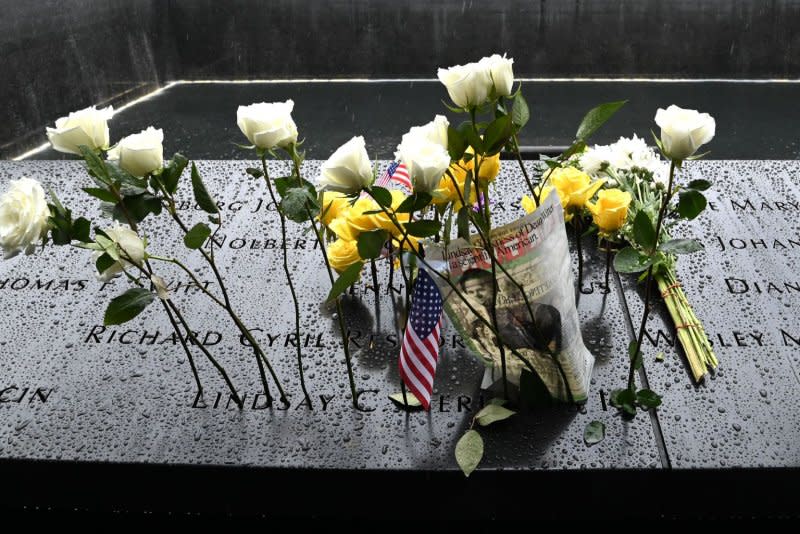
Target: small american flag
x: 420, y: 350
x: 396, y: 172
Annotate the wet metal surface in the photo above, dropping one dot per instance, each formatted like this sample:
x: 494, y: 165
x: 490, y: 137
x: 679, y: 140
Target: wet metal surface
x: 74, y: 390
x: 745, y: 289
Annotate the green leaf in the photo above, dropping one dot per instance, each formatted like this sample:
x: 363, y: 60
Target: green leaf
x: 691, y: 203
x: 596, y: 117
x: 125, y: 307
x: 171, y: 174
x: 137, y: 207
x: 345, y: 280
x: 102, y: 194
x: 532, y: 390
x: 698, y: 185
x: 469, y: 451
x: 96, y: 166
x: 574, y: 148
x: 681, y: 246
x: 454, y: 109
x: 127, y: 183
x: 201, y: 195
x: 283, y: 183
x: 629, y: 260
x: 497, y: 135
x: 499, y: 401
x: 254, y: 172
x: 520, y: 114
x: 382, y: 196
x: 413, y: 402
x: 423, y: 228
x: 80, y: 230
x: 595, y: 432
x: 471, y: 136
x: 103, y: 263
x: 492, y: 413
x: 297, y: 204
x: 643, y: 231
x: 195, y: 237
x: 415, y: 202
x: 647, y: 398
x: 456, y: 144
x: 462, y: 222
x: 624, y: 399
x: 371, y: 243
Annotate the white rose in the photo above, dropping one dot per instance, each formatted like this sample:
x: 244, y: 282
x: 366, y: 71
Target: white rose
x: 501, y: 72
x: 23, y: 217
x: 434, y: 132
x: 683, y: 131
x: 268, y: 126
x: 348, y: 170
x: 426, y: 163
x: 140, y: 154
x: 130, y: 247
x: 85, y: 127
x: 468, y: 85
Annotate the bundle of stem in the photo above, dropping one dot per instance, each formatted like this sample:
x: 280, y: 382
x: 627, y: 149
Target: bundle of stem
x: 690, y: 331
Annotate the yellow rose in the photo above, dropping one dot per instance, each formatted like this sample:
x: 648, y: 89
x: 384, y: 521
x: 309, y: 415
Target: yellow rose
x: 490, y: 167
x: 333, y: 205
x: 411, y: 243
x: 574, y: 189
x: 447, y: 192
x: 527, y: 202
x: 610, y: 210
x: 342, y: 254
x: 357, y: 218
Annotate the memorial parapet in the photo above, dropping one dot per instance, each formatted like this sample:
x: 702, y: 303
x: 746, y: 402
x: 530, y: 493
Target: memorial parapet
x: 76, y: 392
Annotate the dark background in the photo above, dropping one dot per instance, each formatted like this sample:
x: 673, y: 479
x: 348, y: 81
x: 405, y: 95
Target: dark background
x: 57, y: 56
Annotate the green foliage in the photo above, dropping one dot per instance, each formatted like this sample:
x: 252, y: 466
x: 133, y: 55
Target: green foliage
x: 456, y: 143
x: 125, y: 307
x: 497, y: 135
x: 171, y: 174
x: 103, y: 194
x: 647, y: 398
x: 690, y: 204
x: 136, y: 207
x: 195, y: 237
x: 643, y: 231
x: 625, y: 400
x: 595, y: 432
x: 462, y: 222
x: 681, y: 246
x: 345, y: 280
x: 371, y: 243
x: 299, y: 205
x: 469, y: 452
x: 201, y: 195
x: 520, y: 114
x: 597, y: 117
x: 415, y: 202
x: 492, y: 413
x: 382, y: 196
x: 423, y: 228
x: 628, y: 260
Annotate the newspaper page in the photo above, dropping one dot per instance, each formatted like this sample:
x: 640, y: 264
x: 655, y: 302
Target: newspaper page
x: 544, y: 333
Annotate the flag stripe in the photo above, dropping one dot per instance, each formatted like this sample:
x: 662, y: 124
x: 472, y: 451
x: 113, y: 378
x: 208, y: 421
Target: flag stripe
x: 419, y: 351
x: 428, y: 360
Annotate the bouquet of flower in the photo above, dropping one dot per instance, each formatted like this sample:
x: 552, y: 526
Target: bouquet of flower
x: 516, y: 298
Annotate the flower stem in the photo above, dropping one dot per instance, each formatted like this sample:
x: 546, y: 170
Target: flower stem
x: 339, y: 308
x: 261, y: 357
x: 649, y: 279
x: 289, y: 282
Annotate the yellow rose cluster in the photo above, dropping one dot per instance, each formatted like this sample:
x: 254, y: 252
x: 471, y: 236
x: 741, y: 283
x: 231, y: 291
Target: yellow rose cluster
x: 348, y: 221
x: 447, y: 192
x: 575, y: 189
